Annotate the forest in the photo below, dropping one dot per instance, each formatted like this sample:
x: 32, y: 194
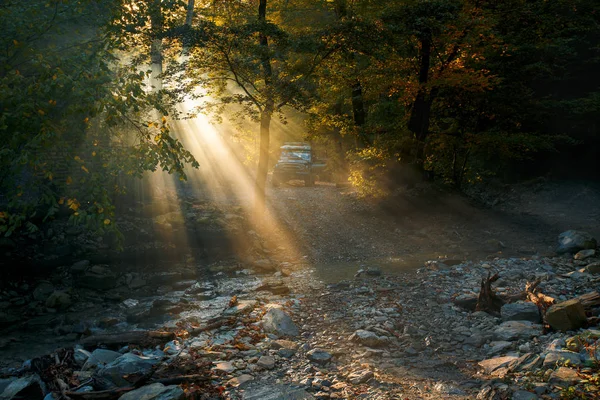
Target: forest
x: 459, y: 92
x: 156, y: 243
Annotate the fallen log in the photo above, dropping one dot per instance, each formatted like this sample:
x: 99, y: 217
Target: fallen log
x: 178, y: 380
x: 142, y: 338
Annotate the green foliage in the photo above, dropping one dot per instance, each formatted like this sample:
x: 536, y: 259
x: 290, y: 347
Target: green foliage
x: 74, y: 120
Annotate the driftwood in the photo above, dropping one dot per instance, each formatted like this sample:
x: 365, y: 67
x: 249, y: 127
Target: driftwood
x: 142, y: 338
x: 212, y: 324
x: 488, y: 300
x: 590, y: 300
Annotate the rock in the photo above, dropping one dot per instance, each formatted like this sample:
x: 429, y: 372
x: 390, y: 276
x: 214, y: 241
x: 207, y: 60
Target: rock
x: 561, y: 358
x: 29, y: 387
x: 173, y: 347
x: 369, y: 339
x: 449, y: 389
x: 80, y: 266
x: 42, y: 291
x: 98, y: 278
x: 593, y: 268
x: 266, y: 362
x: 520, y: 312
x: 566, y: 316
x: 468, y: 301
x: 99, y: 358
x: 564, y: 377
x: 225, y: 366
x: 492, y: 364
x: 277, y: 288
x: 81, y: 356
x: 359, y: 377
x: 135, y: 281
x: 524, y: 395
x: 277, y: 322
x: 240, y: 381
x: 527, y: 362
x: 155, y: 391
x: 264, y: 266
x: 319, y: 356
x: 285, y: 348
x: 127, y: 364
x: 584, y: 254
x: 572, y: 241
x: 498, y: 347
x: 59, y: 300
x: 515, y: 330
x: 242, y: 307
x: 276, y: 392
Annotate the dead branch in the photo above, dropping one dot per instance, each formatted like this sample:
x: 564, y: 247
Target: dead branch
x: 142, y: 338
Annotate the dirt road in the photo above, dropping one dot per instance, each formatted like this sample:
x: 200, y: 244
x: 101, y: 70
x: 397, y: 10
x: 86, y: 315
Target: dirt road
x: 332, y: 225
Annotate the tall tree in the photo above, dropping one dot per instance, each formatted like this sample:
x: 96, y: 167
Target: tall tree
x: 252, y: 67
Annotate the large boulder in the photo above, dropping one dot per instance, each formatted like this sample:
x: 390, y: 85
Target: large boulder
x: 572, y: 241
x: 555, y: 358
x: 566, y: 316
x: 127, y: 364
x: 520, y: 312
x: 155, y: 391
x: 277, y: 322
x: 26, y: 387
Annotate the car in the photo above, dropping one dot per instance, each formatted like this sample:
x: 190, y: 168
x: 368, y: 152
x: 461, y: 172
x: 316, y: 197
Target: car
x: 297, y: 161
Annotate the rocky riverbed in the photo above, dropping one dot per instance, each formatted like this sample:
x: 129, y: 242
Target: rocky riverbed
x: 280, y: 333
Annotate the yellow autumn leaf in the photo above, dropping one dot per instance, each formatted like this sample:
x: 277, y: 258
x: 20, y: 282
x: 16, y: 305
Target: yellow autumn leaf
x: 76, y: 213
x: 164, y: 120
x: 100, y: 210
x: 61, y: 200
x: 77, y: 158
x: 85, y: 169
x: 41, y: 112
x: 93, y: 154
x: 69, y: 180
x: 86, y: 120
x: 106, y: 221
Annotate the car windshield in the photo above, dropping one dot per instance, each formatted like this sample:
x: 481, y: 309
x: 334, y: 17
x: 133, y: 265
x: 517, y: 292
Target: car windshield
x: 295, y: 155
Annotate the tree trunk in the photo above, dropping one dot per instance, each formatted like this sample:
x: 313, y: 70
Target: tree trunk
x: 358, y: 111
x: 189, y: 17
x: 263, y: 159
x: 265, y: 114
x: 421, y: 110
x: 156, y: 59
